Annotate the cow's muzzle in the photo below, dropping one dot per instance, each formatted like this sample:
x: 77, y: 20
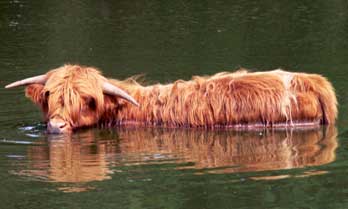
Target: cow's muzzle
x: 58, y: 126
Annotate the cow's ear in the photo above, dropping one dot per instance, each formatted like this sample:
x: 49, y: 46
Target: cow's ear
x: 34, y: 92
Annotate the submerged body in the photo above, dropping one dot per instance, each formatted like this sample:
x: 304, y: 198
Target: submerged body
x: 73, y: 96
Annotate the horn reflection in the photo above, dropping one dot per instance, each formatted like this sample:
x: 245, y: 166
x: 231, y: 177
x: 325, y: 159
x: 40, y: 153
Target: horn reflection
x: 93, y: 155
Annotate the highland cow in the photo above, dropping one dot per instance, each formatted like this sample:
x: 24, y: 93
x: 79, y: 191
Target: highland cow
x: 74, y: 96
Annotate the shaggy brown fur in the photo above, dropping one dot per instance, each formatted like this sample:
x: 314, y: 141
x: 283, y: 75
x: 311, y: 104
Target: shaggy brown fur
x: 239, y: 100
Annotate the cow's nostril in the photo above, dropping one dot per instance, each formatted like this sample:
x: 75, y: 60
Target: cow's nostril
x: 57, y: 126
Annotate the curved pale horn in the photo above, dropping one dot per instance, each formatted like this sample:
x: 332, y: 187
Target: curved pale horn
x: 41, y: 79
x: 113, y: 90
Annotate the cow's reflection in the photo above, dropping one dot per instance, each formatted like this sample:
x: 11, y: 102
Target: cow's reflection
x: 240, y: 151
x: 73, y: 158
x: 93, y: 155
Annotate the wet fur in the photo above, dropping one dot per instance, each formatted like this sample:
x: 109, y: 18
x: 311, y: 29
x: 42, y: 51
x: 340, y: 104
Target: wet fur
x: 239, y: 99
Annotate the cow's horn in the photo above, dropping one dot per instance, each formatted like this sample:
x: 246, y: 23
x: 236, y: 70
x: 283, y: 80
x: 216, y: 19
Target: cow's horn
x: 113, y: 90
x: 41, y: 79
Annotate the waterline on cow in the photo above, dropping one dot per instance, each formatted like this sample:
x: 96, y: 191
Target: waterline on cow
x: 298, y: 125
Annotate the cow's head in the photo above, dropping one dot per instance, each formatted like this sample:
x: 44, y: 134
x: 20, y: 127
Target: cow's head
x: 72, y: 96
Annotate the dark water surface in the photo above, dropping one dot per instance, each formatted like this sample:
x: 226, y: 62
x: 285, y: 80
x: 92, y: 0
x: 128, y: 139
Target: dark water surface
x: 171, y: 168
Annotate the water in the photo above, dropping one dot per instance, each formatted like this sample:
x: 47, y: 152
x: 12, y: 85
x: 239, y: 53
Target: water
x: 171, y: 168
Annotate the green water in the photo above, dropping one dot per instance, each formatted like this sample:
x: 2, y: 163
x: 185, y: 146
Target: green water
x: 171, y: 168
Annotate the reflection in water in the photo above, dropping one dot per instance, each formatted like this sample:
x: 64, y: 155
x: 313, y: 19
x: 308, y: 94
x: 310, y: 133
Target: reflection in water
x: 236, y: 151
x: 77, y: 158
x: 92, y: 156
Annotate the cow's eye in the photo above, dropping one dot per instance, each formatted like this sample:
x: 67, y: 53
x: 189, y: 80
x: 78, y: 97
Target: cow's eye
x: 92, y: 104
x: 47, y: 94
